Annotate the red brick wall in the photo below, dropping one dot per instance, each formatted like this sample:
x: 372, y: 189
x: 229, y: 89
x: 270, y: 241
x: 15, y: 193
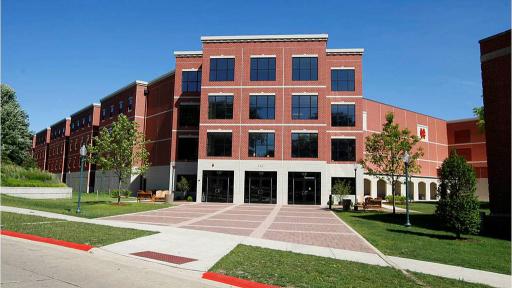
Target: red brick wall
x: 468, y: 141
x: 84, y: 135
x: 58, y: 147
x: 41, y: 148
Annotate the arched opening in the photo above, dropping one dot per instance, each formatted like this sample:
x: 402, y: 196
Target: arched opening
x: 433, y: 191
x: 381, y: 189
x: 398, y: 188
x: 422, y: 191
x: 367, y: 187
x: 411, y: 190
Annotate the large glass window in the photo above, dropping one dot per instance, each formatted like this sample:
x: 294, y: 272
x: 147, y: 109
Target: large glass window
x: 263, y: 69
x: 262, y: 107
x: 343, y: 115
x: 343, y: 149
x: 305, y: 107
x: 222, y: 69
x: 191, y: 81
x: 305, y: 68
x: 219, y: 144
x: 188, y: 115
x: 187, y: 148
x: 304, y: 145
x: 261, y: 144
x: 342, y: 79
x: 130, y: 103
x: 220, y: 107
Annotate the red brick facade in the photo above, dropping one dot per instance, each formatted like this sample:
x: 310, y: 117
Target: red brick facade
x: 58, y: 148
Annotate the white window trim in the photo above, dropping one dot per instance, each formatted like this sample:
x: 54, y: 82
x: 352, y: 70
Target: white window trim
x: 305, y: 93
x: 219, y: 131
x: 343, y: 137
x: 262, y: 131
x: 344, y: 103
x: 305, y: 131
x: 262, y: 94
x: 343, y: 68
x: 222, y: 56
x: 190, y: 69
x: 343, y: 96
x: 305, y: 55
x: 263, y: 56
x: 221, y: 94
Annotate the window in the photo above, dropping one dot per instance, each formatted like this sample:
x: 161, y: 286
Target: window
x: 187, y: 148
x: 222, y: 69
x: 262, y: 107
x: 191, y: 81
x: 343, y: 149
x: 342, y: 80
x: 343, y: 115
x: 305, y: 107
x: 220, y: 107
x: 103, y: 113
x: 219, y: 144
x: 263, y: 69
x: 261, y: 144
x: 130, y: 103
x: 188, y: 115
x: 305, y: 68
x: 89, y: 119
x: 112, y: 110
x: 121, y: 106
x: 305, y: 145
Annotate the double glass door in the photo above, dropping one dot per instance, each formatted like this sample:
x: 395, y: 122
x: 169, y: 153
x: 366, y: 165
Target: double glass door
x: 260, y: 187
x: 218, y: 186
x: 304, y: 188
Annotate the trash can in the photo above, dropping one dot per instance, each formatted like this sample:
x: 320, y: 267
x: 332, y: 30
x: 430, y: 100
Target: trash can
x: 346, y: 204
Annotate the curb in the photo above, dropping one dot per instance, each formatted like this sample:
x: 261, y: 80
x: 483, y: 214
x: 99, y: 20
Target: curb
x: 72, y: 245
x: 237, y: 282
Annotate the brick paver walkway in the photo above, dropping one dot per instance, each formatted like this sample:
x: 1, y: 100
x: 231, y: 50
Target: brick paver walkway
x: 310, y: 225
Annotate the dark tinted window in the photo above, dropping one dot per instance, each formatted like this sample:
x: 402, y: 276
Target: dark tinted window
x: 305, y: 68
x: 188, y: 115
x: 343, y: 149
x: 187, y: 148
x: 191, y: 81
x: 343, y: 115
x: 261, y: 144
x: 222, y: 69
x: 305, y: 145
x: 220, y: 107
x: 342, y: 80
x: 130, y: 103
x: 219, y: 144
x: 263, y: 69
x: 112, y: 110
x: 262, y: 107
x: 305, y: 107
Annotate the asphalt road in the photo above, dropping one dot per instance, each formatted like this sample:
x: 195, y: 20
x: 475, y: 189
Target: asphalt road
x: 31, y: 264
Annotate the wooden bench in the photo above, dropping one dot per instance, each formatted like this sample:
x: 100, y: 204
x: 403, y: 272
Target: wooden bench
x: 144, y: 195
x: 160, y: 195
x: 372, y: 203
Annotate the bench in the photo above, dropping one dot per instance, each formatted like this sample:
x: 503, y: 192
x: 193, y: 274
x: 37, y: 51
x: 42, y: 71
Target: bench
x: 160, y: 195
x: 372, y: 203
x: 144, y: 195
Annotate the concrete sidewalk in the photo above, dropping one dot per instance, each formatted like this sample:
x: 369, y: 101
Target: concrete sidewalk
x: 209, y: 247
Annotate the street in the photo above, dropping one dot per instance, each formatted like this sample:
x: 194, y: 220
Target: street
x: 31, y: 264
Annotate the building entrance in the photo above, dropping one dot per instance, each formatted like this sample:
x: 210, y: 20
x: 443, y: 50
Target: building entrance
x: 217, y: 186
x: 304, y: 188
x: 260, y: 187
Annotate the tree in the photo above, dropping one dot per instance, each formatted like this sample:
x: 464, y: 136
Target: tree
x: 458, y: 206
x: 16, y: 138
x: 183, y: 185
x: 385, y: 150
x: 120, y: 149
x: 341, y: 188
x: 479, y: 113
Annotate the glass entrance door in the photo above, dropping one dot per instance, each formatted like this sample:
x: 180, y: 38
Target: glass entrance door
x: 304, y: 188
x: 218, y: 186
x: 260, y: 187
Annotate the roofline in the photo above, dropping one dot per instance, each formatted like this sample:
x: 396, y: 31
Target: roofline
x: 494, y: 36
x: 60, y: 121
x: 190, y: 53
x: 345, y: 51
x: 85, y: 108
x: 162, y: 77
x: 405, y: 109
x: 265, y: 38
x: 462, y: 120
x: 136, y: 82
x: 44, y: 130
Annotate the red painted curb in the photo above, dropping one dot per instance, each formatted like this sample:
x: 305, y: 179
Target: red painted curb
x: 235, y: 281
x: 83, y: 247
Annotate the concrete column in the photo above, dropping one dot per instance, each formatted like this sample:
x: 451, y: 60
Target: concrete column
x: 373, y: 186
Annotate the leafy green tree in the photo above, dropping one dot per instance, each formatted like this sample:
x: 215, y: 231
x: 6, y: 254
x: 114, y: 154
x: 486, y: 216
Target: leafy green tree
x: 120, y: 149
x: 341, y: 189
x: 16, y: 138
x: 385, y: 151
x: 183, y: 185
x: 479, y: 113
x: 458, y: 206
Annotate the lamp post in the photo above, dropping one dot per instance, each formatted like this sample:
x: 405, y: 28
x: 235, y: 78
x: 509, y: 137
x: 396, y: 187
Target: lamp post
x: 406, y: 163
x: 356, y: 207
x: 83, y: 153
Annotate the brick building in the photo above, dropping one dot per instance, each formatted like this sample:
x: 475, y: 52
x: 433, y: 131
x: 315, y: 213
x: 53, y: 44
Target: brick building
x: 42, y: 139
x: 58, y: 149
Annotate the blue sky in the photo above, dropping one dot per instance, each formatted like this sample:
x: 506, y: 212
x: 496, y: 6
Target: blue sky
x: 62, y: 55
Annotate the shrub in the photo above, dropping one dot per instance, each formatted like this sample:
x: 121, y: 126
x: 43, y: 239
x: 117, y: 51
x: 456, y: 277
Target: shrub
x: 120, y: 193
x: 183, y: 185
x: 458, y: 206
x: 17, y: 176
x: 399, y: 199
x: 190, y: 199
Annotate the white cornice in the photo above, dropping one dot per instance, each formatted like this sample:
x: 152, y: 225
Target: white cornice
x: 265, y: 38
x: 136, y: 82
x: 349, y: 51
x: 188, y: 53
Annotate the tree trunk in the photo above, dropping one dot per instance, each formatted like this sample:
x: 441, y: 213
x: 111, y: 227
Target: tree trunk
x: 393, y: 193
x: 119, y: 191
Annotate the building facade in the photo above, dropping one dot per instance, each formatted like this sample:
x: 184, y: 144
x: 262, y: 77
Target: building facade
x: 42, y: 139
x: 58, y: 149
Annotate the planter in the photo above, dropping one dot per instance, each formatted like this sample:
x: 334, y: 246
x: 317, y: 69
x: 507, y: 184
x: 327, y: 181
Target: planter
x: 38, y: 192
x: 346, y: 203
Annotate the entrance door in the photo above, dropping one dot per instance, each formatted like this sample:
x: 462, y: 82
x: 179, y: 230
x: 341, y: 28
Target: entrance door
x: 260, y: 187
x: 218, y: 186
x: 304, y: 188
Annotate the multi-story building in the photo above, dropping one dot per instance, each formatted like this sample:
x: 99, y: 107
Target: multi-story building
x: 84, y: 126
x: 42, y: 139
x: 58, y: 149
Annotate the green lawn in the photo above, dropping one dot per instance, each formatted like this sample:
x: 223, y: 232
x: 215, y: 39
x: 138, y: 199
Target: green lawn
x: 430, y: 207
x: 92, y: 206
x: 91, y: 234
x: 289, y: 269
x: 427, y: 240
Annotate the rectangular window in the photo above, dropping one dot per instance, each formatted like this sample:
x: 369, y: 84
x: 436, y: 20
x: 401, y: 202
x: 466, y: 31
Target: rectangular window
x: 191, y: 81
x: 304, y: 145
x: 112, y: 110
x: 219, y: 144
x: 130, y: 103
x: 103, y: 113
x: 262, y: 107
x: 222, y: 69
x: 89, y: 119
x: 343, y: 115
x: 220, y: 107
x: 187, y: 148
x: 121, y: 106
x: 261, y: 144
x: 305, y: 107
x: 263, y: 69
x: 343, y: 149
x: 342, y: 80
x: 305, y: 68
x: 188, y: 115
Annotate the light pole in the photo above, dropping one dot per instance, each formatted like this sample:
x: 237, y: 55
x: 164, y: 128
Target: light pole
x: 406, y: 163
x: 83, y: 153
x: 355, y: 185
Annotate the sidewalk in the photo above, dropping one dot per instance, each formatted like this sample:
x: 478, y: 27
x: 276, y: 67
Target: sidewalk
x: 209, y: 247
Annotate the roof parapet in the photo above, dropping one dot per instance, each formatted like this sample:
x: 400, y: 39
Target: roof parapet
x: 345, y: 51
x: 265, y: 38
x: 188, y: 53
x: 136, y: 82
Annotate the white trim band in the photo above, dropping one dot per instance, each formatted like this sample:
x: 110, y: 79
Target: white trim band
x: 222, y: 56
x: 263, y: 56
x: 343, y: 137
x: 219, y: 131
x: 304, y: 55
x: 262, y: 131
x: 343, y: 68
x: 304, y: 131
